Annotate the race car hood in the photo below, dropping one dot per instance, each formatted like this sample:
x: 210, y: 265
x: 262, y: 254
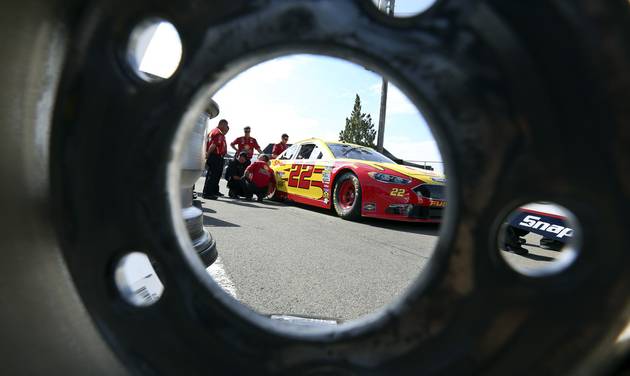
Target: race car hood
x: 414, y: 172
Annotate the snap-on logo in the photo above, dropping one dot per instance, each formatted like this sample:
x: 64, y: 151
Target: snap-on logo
x: 534, y: 222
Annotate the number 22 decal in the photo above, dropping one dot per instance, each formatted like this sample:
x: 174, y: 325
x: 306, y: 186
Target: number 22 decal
x: 303, y: 172
x: 398, y: 192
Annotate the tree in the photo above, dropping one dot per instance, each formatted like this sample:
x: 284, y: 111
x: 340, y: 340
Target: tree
x: 359, y: 127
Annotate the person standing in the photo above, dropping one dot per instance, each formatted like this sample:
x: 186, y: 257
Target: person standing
x: 246, y: 143
x: 234, y: 175
x: 259, y: 178
x: 215, y: 150
x: 280, y: 147
x: 210, y: 112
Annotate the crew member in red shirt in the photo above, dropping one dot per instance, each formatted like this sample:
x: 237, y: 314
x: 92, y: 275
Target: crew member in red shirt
x: 216, y: 148
x: 246, y: 143
x: 280, y: 147
x: 259, y: 179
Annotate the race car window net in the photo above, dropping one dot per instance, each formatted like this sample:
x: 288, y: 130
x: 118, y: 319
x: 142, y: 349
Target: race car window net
x: 289, y: 153
x: 305, y: 151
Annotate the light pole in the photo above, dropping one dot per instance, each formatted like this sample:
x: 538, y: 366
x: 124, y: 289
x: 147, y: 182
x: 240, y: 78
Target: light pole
x: 388, y: 7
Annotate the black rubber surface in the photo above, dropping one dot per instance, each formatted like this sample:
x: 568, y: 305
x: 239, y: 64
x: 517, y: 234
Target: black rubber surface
x: 528, y: 101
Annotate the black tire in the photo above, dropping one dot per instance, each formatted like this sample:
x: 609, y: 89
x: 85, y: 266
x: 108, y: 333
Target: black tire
x: 502, y: 91
x: 342, y: 207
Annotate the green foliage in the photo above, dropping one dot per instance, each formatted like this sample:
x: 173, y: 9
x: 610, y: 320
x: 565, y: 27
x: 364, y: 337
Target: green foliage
x: 359, y: 127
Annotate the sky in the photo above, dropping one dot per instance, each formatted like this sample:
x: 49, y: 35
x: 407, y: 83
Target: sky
x: 163, y: 53
x: 306, y: 96
x: 311, y: 96
x: 406, y: 8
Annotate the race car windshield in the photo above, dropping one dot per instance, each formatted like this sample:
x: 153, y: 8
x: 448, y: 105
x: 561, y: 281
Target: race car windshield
x: 358, y: 152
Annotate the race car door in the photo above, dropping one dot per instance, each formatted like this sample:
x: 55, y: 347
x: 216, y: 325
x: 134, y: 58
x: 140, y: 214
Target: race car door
x: 305, y: 177
x: 282, y: 166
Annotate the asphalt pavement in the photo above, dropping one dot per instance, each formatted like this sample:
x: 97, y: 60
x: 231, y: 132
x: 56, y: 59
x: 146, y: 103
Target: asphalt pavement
x: 283, y: 258
x: 538, y: 259
x: 290, y: 259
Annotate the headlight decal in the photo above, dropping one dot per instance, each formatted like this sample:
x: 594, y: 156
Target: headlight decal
x: 387, y: 178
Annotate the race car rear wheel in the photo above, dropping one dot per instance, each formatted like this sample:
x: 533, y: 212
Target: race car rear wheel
x: 347, y: 196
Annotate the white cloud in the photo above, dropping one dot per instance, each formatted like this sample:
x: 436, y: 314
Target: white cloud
x: 413, y: 150
x: 244, y: 101
x: 397, y: 101
x: 376, y: 89
x: 423, y: 152
x: 268, y: 122
x: 241, y: 104
x: 269, y: 72
x: 253, y: 99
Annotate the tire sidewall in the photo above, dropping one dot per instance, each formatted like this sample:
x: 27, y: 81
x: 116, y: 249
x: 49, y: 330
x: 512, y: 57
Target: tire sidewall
x: 354, y: 212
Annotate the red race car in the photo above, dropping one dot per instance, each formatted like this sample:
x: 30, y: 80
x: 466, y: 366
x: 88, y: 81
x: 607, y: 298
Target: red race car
x: 358, y: 181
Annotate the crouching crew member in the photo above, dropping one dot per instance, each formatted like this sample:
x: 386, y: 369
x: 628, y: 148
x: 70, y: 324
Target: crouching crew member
x: 259, y: 179
x: 234, y: 175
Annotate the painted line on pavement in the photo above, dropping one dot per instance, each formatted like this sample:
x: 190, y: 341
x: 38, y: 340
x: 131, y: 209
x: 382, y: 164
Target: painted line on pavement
x: 218, y: 273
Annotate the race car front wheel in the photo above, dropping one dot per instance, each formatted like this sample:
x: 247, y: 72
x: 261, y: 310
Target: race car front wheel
x: 347, y: 196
